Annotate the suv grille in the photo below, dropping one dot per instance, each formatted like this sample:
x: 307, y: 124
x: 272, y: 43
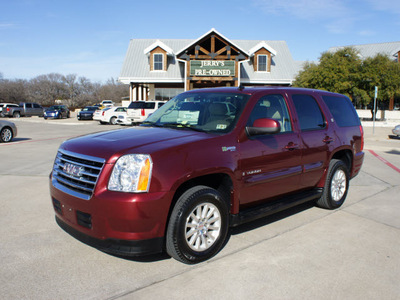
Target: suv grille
x: 76, y: 174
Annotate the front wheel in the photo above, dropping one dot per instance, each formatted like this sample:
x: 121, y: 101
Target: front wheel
x: 6, y: 135
x: 198, y: 225
x: 336, y: 185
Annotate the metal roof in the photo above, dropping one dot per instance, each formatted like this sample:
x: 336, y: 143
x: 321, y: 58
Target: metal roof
x: 370, y: 50
x: 136, y: 66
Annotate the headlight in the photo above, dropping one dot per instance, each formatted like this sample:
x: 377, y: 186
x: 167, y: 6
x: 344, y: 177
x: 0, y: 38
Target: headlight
x: 131, y: 173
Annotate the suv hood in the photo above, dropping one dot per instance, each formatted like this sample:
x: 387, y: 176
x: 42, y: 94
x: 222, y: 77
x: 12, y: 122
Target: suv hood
x: 112, y: 144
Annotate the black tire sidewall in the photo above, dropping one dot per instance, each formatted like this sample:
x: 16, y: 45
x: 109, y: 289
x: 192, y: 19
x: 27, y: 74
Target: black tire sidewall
x: 1, y: 135
x: 177, y: 246
x: 326, y: 200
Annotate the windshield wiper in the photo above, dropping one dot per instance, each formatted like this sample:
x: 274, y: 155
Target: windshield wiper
x: 178, y: 125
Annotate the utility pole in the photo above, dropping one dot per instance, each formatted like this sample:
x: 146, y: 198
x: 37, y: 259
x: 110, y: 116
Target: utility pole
x: 376, y: 96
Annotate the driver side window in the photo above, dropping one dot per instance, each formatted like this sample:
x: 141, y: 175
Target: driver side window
x: 273, y: 107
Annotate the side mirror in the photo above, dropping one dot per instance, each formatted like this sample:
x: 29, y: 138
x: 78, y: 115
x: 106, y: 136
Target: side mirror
x: 264, y: 126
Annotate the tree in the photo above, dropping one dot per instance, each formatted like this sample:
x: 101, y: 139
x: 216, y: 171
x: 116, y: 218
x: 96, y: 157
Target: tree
x: 346, y: 73
x: 337, y: 72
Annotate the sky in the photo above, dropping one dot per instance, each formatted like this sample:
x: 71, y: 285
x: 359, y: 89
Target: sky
x: 90, y: 38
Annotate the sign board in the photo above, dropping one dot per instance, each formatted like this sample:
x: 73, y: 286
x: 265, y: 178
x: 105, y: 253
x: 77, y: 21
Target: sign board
x: 212, y: 68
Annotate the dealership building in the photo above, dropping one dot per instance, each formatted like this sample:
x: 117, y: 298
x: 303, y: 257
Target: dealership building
x: 159, y: 69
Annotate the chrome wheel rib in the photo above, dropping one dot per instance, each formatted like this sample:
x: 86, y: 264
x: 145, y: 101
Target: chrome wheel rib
x: 338, y: 186
x: 203, y: 227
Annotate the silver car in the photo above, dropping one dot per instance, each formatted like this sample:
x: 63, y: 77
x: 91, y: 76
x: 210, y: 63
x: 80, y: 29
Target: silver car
x: 8, y: 131
x: 396, y: 130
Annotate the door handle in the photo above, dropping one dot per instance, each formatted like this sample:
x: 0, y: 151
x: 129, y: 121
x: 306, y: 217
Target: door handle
x: 328, y: 140
x: 291, y: 146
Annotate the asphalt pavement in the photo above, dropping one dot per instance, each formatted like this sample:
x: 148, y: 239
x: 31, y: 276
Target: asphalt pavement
x: 303, y: 253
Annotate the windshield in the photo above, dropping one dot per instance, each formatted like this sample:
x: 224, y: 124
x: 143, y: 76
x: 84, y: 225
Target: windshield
x: 55, y: 107
x: 89, y: 108
x: 208, y: 112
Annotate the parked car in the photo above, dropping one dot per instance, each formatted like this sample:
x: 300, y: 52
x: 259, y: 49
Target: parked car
x: 138, y: 111
x: 4, y: 106
x: 107, y: 103
x: 57, y: 112
x: 87, y: 113
x: 24, y: 109
x: 8, y: 131
x: 123, y: 119
x: 193, y: 169
x: 109, y: 115
x: 396, y: 130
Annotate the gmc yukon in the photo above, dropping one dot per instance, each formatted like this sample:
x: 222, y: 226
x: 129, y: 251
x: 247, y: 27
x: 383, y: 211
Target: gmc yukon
x: 205, y: 161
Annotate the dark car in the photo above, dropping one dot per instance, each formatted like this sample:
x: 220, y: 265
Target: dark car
x: 87, y: 113
x: 56, y: 112
x: 205, y: 161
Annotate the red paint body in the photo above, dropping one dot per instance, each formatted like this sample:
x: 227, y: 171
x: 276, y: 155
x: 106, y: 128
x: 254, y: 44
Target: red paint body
x: 260, y: 169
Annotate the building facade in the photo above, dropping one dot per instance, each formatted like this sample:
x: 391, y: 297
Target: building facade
x: 161, y: 69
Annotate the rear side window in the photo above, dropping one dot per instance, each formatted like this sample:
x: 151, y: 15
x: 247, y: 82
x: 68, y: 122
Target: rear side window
x: 342, y: 111
x: 308, y: 112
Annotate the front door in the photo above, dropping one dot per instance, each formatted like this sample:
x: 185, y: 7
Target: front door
x: 270, y: 164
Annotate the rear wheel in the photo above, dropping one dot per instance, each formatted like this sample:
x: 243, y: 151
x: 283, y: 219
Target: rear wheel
x: 113, y: 121
x: 16, y: 114
x: 198, y: 225
x: 336, y: 185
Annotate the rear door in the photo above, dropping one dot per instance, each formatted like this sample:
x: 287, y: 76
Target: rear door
x: 315, y: 137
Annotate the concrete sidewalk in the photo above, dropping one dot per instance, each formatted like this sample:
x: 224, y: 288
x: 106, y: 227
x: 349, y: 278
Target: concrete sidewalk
x: 303, y: 253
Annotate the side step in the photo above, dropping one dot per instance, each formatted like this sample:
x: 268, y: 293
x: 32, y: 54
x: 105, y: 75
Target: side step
x: 270, y: 208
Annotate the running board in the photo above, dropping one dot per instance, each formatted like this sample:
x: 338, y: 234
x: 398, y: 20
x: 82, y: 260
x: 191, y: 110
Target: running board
x: 267, y: 209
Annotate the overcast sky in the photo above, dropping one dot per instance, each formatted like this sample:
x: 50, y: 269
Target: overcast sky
x: 90, y: 38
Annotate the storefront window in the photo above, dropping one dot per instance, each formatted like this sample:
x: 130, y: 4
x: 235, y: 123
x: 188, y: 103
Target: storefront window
x: 165, y: 94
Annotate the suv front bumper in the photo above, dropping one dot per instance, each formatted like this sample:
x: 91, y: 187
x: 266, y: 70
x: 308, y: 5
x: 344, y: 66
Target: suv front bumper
x: 115, y: 222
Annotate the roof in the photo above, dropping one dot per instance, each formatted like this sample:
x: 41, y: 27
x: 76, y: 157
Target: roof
x: 370, y: 50
x: 136, y: 66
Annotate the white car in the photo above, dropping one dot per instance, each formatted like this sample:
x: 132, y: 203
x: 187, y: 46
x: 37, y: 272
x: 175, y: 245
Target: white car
x: 109, y: 114
x: 107, y: 103
x: 138, y: 111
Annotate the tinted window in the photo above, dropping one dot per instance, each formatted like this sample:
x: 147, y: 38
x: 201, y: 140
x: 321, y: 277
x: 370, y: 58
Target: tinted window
x: 142, y: 105
x: 342, y: 111
x: 308, y: 112
x: 274, y: 107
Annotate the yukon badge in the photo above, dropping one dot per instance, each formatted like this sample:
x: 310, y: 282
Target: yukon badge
x: 231, y: 149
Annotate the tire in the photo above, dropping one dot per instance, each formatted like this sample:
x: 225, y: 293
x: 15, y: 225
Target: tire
x: 113, y: 121
x: 198, y: 225
x: 16, y: 114
x: 336, y: 185
x: 6, y: 135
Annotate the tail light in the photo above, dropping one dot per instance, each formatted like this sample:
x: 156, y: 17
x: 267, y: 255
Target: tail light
x: 8, y: 109
x: 362, y: 138
x: 103, y: 113
x: 143, y: 114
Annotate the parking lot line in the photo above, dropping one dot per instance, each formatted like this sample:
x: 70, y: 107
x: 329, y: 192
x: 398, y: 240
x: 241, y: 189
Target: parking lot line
x: 384, y: 161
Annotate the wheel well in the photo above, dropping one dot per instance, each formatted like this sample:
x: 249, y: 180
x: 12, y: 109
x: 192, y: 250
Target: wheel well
x: 220, y: 182
x: 346, y: 156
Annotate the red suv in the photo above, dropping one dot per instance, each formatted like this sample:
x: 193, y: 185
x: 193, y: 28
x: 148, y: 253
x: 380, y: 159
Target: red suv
x: 205, y: 161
